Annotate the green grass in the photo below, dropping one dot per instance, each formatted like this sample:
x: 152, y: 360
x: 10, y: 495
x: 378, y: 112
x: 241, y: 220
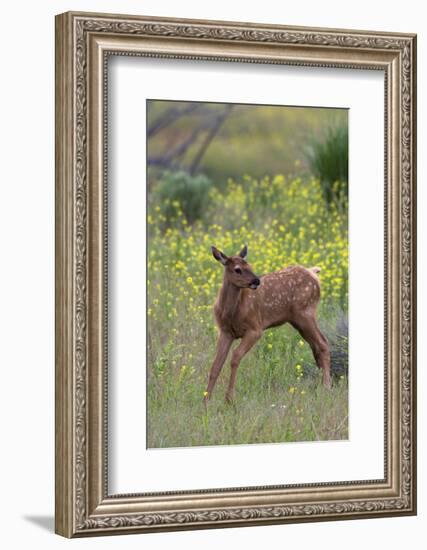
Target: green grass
x: 279, y: 395
x: 273, y: 416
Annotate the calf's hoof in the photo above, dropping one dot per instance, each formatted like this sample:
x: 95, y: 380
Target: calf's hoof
x: 229, y: 399
x: 327, y: 383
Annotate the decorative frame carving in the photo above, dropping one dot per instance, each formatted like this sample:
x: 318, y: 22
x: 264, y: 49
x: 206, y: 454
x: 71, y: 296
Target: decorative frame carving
x: 83, y: 42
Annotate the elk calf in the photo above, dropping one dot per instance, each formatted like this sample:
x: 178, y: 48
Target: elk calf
x: 247, y: 305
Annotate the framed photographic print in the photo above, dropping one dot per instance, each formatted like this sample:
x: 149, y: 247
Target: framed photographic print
x: 235, y: 274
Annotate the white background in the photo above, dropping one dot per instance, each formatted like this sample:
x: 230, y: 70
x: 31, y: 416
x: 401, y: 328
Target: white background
x: 133, y: 468
x: 27, y: 275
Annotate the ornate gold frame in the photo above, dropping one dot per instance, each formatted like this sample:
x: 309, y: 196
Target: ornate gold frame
x: 83, y: 42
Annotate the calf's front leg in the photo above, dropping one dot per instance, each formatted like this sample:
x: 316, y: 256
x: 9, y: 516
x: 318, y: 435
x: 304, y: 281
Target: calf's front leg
x: 247, y: 342
x: 222, y: 348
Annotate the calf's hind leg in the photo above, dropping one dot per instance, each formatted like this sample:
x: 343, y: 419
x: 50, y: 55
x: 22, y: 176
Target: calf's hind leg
x: 309, y: 330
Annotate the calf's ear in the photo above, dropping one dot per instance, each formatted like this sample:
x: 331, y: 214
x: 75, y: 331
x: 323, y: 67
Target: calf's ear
x: 244, y: 252
x: 218, y: 255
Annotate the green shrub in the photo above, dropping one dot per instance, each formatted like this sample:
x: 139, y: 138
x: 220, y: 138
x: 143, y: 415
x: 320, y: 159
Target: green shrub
x: 328, y: 160
x: 181, y: 190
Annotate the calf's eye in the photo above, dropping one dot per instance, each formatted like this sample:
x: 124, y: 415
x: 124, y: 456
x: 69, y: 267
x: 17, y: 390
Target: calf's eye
x: 238, y: 270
